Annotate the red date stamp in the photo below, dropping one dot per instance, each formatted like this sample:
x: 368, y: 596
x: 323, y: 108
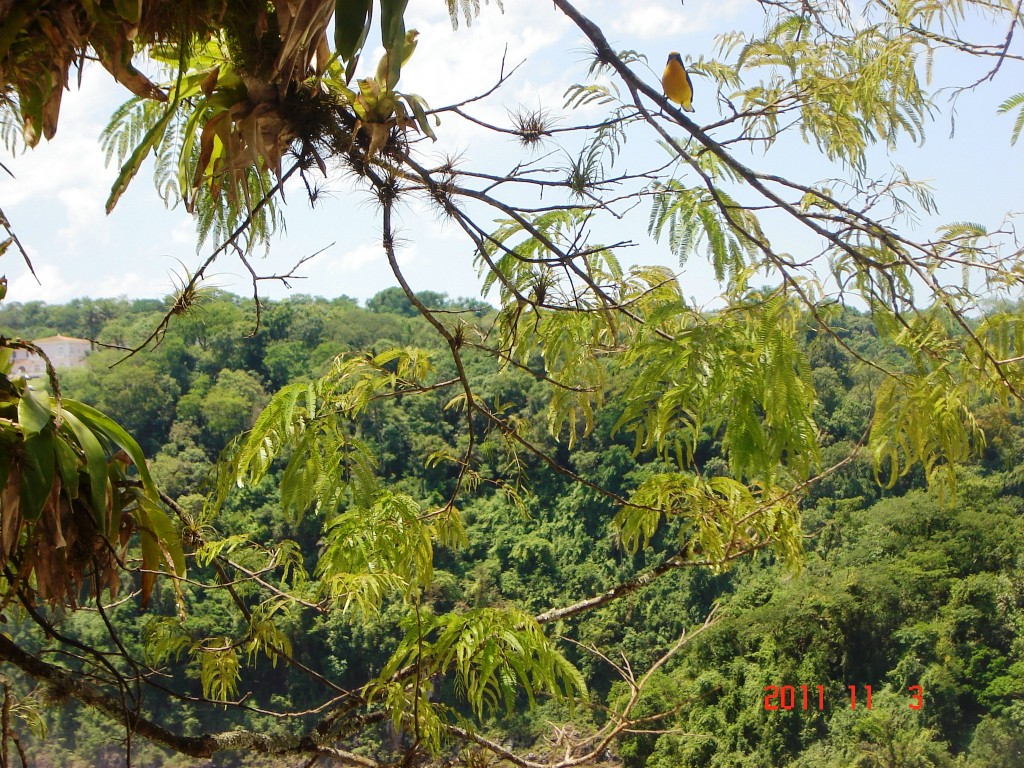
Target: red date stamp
x: 807, y: 697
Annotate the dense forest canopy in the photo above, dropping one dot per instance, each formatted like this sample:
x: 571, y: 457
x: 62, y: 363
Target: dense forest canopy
x: 494, y: 512
x: 897, y: 588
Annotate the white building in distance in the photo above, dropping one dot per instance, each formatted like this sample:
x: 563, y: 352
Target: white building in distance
x: 63, y: 351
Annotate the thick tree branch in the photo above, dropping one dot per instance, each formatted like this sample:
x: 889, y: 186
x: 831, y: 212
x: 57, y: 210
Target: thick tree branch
x: 207, y: 745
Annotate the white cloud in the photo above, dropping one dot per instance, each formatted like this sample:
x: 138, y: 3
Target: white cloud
x: 123, y: 284
x: 39, y: 173
x: 354, y: 260
x: 184, y: 234
x: 85, y: 219
x: 659, y: 20
x: 51, y: 287
x: 652, y: 23
x: 73, y: 157
x: 452, y: 65
x: 55, y: 286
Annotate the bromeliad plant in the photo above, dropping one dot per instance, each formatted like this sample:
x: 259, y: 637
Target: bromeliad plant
x: 241, y: 99
x: 249, y: 83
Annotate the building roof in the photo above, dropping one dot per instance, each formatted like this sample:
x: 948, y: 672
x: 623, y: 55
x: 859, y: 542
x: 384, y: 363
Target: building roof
x: 60, y: 337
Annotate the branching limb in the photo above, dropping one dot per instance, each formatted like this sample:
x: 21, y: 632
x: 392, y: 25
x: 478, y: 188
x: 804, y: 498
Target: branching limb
x: 203, y: 746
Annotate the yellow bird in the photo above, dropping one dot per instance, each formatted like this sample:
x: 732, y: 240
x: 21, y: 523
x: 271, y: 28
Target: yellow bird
x: 676, y: 82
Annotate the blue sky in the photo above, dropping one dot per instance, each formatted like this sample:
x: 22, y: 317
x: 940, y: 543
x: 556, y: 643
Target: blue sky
x: 56, y: 200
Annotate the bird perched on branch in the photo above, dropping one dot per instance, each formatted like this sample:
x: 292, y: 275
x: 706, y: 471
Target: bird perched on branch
x: 676, y: 82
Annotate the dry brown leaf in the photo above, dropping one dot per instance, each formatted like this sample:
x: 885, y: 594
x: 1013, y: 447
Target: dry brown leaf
x: 210, y: 82
x: 302, y: 23
x: 120, y: 66
x: 10, y: 516
x: 214, y: 127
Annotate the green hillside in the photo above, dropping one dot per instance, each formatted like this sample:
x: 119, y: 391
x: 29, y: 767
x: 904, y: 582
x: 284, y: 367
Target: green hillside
x: 919, y: 597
